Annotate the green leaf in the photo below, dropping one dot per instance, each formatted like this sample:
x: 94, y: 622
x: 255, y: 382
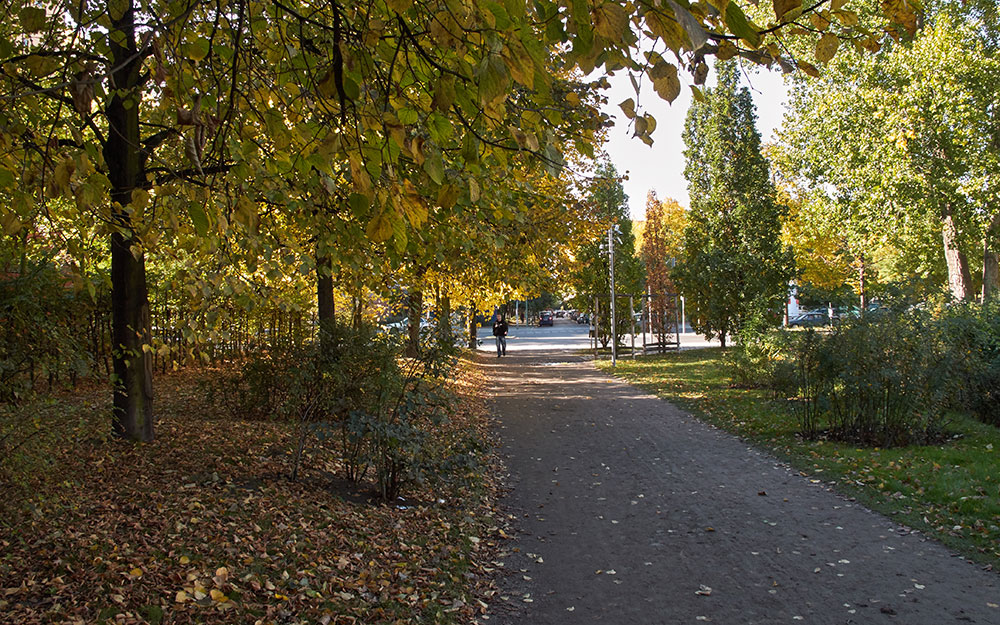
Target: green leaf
x: 359, y: 204
x: 196, y: 50
x: 351, y: 88
x: 199, y: 218
x: 737, y: 23
x: 407, y: 116
x: 493, y: 80
x: 695, y: 32
x: 500, y: 15
x: 33, y: 19
x: 434, y: 166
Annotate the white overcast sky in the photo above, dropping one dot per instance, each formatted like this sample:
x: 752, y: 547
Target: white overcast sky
x: 661, y: 167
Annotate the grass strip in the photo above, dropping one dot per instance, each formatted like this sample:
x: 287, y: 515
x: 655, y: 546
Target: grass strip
x: 949, y: 491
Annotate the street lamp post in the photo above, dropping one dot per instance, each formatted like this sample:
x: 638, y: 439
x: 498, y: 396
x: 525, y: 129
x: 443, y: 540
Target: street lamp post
x: 611, y: 269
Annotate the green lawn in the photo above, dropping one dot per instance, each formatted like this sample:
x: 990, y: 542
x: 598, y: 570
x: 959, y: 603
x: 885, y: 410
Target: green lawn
x: 949, y: 491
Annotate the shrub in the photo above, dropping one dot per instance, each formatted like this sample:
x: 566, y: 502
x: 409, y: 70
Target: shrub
x: 882, y: 380
x: 257, y: 389
x: 353, y: 386
x: 43, y: 329
x: 971, y: 335
x: 763, y: 359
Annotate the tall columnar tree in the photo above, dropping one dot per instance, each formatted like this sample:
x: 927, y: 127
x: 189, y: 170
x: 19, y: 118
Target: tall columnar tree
x: 662, y: 245
x: 609, y: 202
x: 734, y: 268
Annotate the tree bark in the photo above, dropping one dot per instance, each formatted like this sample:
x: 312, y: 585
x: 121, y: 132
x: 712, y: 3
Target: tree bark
x: 357, y: 314
x: 415, y: 308
x: 444, y: 320
x: 132, y: 413
x: 472, y: 327
x: 959, y: 281
x: 325, y: 305
x: 991, y: 260
x: 862, y: 285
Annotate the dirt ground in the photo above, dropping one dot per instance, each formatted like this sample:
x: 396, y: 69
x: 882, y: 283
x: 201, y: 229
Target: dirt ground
x: 629, y: 510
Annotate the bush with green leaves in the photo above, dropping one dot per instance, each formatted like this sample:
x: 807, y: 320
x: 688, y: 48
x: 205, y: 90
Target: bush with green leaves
x: 883, y: 380
x: 43, y: 329
x: 971, y: 334
x: 763, y: 358
x: 354, y: 387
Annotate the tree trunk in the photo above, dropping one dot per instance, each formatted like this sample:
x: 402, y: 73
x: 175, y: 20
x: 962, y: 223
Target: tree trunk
x: 472, y: 327
x: 444, y: 321
x: 959, y: 281
x: 991, y: 260
x: 415, y: 307
x: 862, y: 285
x: 357, y: 316
x: 132, y: 415
x: 326, y: 307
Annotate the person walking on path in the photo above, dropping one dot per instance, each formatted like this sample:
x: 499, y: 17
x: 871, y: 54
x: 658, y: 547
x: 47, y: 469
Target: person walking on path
x: 500, y: 332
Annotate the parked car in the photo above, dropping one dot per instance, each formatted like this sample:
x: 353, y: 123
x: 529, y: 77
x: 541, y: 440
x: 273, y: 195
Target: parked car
x: 809, y: 319
x: 545, y: 318
x: 583, y: 318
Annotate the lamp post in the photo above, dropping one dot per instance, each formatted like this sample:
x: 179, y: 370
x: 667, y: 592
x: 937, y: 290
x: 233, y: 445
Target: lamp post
x: 611, y: 270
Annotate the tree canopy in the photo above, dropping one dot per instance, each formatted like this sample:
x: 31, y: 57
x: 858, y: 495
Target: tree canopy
x: 734, y: 269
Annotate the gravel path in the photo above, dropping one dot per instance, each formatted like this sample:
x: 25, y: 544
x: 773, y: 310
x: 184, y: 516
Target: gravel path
x: 632, y: 511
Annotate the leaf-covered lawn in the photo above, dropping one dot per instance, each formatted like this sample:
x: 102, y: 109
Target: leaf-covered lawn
x: 203, y: 525
x: 950, y: 491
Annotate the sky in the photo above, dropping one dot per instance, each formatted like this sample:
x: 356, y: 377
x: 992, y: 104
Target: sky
x: 661, y: 167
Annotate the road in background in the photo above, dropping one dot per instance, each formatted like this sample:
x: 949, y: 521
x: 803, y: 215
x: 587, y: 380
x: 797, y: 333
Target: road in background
x: 568, y: 334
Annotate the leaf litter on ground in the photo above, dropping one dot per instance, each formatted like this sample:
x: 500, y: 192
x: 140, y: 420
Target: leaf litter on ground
x: 202, y: 526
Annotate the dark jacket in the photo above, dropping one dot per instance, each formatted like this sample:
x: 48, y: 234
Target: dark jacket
x: 500, y: 328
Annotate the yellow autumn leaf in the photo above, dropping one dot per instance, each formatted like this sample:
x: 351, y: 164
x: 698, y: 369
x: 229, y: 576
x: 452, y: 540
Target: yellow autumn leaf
x: 610, y: 21
x: 217, y: 595
x: 136, y: 572
x: 808, y: 68
x: 628, y: 107
x: 819, y: 21
x: 784, y: 6
x: 181, y: 596
x: 666, y: 29
x: 185, y: 559
x: 826, y: 47
x: 667, y: 85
